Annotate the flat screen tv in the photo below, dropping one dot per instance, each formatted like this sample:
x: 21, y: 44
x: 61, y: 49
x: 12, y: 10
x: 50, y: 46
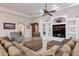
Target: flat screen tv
x: 59, y: 30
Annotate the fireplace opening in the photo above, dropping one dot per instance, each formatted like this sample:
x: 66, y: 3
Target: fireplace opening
x: 59, y: 30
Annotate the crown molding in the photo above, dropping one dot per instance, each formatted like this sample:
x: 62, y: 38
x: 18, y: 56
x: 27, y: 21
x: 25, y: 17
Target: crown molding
x: 2, y: 9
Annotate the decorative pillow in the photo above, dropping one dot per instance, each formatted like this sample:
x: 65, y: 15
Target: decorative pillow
x: 65, y: 54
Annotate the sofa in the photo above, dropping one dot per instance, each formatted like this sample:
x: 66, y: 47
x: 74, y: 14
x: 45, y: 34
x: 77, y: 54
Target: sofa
x: 3, y: 51
x: 12, y: 48
x: 52, y: 43
x: 75, y: 51
x: 9, y: 48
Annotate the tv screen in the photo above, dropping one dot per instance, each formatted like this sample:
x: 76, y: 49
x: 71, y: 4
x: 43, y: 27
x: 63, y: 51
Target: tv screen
x: 59, y: 30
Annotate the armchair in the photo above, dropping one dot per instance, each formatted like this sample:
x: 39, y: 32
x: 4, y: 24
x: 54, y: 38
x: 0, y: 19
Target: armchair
x: 15, y: 36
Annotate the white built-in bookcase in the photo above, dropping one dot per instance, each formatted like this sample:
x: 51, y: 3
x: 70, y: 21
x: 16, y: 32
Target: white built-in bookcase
x: 54, y: 22
x: 78, y: 28
x: 72, y: 27
x: 45, y: 26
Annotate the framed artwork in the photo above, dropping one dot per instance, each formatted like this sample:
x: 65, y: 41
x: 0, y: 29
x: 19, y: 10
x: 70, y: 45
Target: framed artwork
x: 9, y: 25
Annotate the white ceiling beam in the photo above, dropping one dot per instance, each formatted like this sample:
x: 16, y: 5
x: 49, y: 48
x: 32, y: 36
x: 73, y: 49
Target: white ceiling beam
x: 61, y: 8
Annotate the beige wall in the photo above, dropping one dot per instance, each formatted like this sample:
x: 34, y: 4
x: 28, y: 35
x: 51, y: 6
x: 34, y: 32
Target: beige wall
x: 11, y: 18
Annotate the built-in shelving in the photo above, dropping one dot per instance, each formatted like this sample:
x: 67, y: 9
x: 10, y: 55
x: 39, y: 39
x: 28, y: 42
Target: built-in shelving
x: 58, y: 23
x: 46, y: 27
x: 72, y: 28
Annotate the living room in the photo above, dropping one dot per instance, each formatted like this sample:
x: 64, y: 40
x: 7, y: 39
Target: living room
x: 39, y: 29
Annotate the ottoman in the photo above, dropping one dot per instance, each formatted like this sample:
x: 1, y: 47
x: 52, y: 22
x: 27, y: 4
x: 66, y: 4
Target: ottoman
x: 33, y: 44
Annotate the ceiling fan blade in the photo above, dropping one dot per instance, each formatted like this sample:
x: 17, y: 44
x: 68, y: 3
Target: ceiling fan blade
x: 49, y: 14
x: 42, y: 15
x: 52, y: 11
x: 45, y: 11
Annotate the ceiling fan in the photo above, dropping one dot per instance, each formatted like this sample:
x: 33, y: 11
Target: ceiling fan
x: 46, y: 12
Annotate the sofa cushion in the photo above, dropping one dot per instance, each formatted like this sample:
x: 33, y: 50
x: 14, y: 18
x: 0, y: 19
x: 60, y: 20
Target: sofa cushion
x: 49, y: 52
x: 6, y: 43
x: 75, y: 51
x: 59, y: 52
x: 63, y: 50
x: 66, y: 54
x: 1, y: 38
x: 4, y: 38
x: 66, y: 48
x: 7, y: 38
x: 54, y: 49
x: 45, y: 53
x: 3, y: 51
x: 71, y: 43
x: 13, y: 51
x: 26, y: 51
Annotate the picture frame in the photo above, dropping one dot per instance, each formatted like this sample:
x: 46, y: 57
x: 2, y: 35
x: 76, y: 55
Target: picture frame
x: 9, y: 25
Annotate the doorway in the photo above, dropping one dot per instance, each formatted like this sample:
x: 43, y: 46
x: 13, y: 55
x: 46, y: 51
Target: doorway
x: 34, y: 28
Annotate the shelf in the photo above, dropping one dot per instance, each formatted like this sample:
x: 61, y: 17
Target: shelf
x: 72, y: 32
x: 72, y: 19
x: 58, y: 23
x: 71, y: 26
x: 71, y: 22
